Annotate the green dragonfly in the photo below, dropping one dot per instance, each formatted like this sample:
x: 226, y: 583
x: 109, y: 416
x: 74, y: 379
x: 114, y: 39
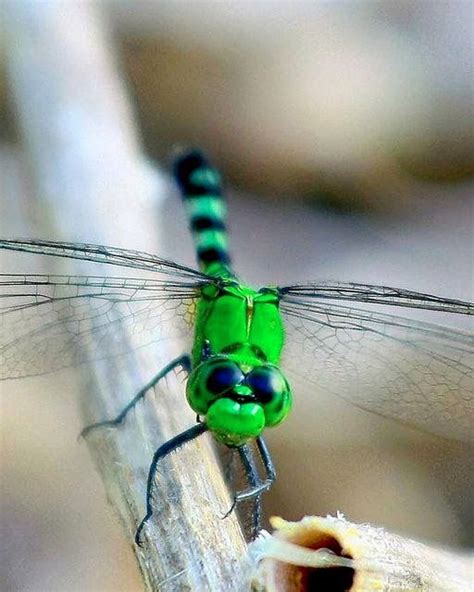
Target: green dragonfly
x: 247, y: 343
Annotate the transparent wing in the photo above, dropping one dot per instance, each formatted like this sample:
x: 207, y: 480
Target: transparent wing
x: 415, y: 372
x: 366, y: 293
x: 49, y: 322
x: 103, y: 254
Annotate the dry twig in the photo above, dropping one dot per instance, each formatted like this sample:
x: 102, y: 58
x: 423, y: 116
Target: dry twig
x: 87, y: 167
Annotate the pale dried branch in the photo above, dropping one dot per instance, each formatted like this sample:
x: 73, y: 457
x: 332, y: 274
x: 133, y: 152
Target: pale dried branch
x: 87, y: 167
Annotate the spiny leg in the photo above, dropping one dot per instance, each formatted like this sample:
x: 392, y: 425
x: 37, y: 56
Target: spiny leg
x: 251, y: 472
x: 270, y: 474
x: 257, y: 486
x: 184, y: 361
x: 162, y: 451
x: 267, y: 461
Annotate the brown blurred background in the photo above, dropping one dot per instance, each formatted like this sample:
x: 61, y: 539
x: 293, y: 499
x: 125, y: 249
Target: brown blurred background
x: 344, y: 130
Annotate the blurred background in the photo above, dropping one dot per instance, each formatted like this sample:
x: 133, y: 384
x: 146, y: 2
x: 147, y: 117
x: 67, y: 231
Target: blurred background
x: 344, y: 131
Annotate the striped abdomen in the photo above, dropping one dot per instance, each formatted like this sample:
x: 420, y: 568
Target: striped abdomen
x: 205, y: 205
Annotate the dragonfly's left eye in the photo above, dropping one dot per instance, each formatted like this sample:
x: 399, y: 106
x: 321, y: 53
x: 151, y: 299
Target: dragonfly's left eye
x: 272, y: 391
x: 266, y: 383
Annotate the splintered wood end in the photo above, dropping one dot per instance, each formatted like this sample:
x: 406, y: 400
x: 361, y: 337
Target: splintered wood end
x: 333, y: 555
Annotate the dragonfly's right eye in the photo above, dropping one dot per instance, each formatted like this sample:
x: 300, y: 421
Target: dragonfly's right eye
x: 210, y: 380
x: 223, y: 378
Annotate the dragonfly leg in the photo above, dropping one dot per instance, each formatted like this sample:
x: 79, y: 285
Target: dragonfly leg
x: 251, y: 473
x: 184, y: 361
x: 257, y: 486
x: 267, y: 461
x: 161, y: 452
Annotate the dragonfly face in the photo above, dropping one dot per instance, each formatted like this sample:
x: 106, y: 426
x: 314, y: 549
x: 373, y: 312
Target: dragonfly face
x: 237, y: 400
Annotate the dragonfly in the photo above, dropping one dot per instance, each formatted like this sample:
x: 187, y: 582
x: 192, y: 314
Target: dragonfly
x: 245, y: 343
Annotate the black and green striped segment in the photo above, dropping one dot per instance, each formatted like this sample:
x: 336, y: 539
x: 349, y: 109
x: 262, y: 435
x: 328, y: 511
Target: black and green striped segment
x: 201, y: 188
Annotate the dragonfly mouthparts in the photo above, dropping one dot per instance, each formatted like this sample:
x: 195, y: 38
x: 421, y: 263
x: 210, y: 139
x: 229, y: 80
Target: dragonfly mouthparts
x: 251, y: 398
x: 242, y: 393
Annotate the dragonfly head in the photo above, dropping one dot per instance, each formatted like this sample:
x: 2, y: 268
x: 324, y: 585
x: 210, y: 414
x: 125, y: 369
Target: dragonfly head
x: 238, y: 400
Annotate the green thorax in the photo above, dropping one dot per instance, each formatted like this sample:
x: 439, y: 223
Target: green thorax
x: 235, y: 319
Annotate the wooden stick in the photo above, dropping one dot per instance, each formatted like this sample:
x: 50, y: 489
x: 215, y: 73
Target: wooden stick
x: 334, y: 554
x: 88, y: 171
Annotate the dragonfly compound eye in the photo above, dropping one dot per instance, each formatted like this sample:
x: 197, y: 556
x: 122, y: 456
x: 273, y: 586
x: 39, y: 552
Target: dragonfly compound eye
x: 272, y: 391
x: 223, y: 378
x: 210, y: 380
